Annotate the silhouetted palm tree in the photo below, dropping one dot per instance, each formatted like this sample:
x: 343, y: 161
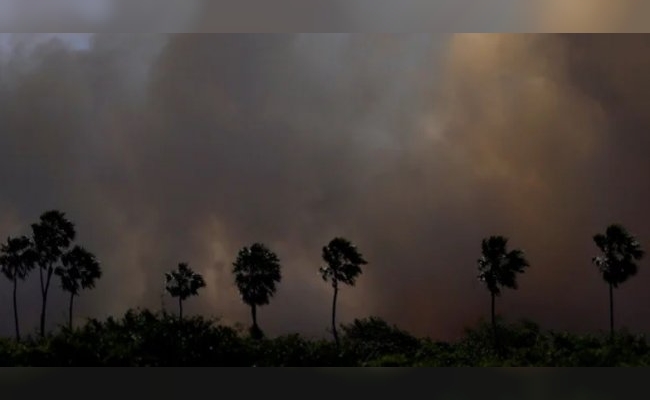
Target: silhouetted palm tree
x: 617, y: 264
x: 498, y: 268
x: 52, y: 236
x: 343, y: 266
x: 183, y: 283
x: 17, y: 259
x: 257, y: 271
x: 79, y: 271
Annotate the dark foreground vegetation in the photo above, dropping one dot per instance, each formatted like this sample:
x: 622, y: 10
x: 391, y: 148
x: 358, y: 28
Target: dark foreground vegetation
x: 143, y: 338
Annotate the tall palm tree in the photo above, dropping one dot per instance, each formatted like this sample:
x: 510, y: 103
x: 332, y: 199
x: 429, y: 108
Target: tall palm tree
x: 183, y: 283
x: 79, y: 270
x: 17, y: 259
x: 618, y: 262
x: 343, y: 265
x: 498, y: 268
x: 257, y: 272
x: 52, y: 236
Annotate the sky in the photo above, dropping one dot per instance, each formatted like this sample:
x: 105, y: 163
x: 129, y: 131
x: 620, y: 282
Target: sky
x: 168, y: 148
x: 375, y: 16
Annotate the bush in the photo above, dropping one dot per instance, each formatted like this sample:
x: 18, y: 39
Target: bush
x: 143, y: 338
x: 372, y: 338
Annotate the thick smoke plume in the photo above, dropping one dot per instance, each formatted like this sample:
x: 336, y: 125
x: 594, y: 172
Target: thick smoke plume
x: 170, y: 148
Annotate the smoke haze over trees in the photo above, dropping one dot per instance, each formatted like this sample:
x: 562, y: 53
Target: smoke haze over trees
x: 168, y: 147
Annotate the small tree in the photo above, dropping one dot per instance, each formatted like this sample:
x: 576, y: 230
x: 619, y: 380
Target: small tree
x: 80, y: 270
x: 183, y: 283
x: 618, y: 262
x: 498, y: 268
x: 17, y: 259
x: 52, y: 236
x: 343, y: 265
x: 257, y: 271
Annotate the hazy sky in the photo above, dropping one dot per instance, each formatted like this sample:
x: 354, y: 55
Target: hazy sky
x: 332, y: 16
x: 171, y: 148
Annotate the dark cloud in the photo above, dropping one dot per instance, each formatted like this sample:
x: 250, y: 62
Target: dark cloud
x: 186, y: 147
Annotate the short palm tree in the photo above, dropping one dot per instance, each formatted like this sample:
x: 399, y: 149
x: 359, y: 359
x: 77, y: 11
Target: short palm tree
x: 183, y: 283
x: 498, y: 268
x: 618, y: 262
x: 343, y: 265
x: 257, y: 272
x: 79, y: 270
x: 17, y: 259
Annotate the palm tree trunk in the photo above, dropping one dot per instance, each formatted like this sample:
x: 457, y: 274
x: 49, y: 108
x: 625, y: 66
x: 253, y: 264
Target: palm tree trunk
x: 42, y: 324
x: 334, y: 332
x: 494, y: 323
x: 180, y: 308
x: 493, y: 318
x: 70, y: 311
x: 611, y: 311
x: 255, y: 331
x: 254, y: 315
x: 16, y: 310
x: 42, y: 320
x: 44, y: 290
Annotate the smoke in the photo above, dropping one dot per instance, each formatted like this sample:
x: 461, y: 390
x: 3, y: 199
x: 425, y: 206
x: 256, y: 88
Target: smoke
x: 184, y: 148
x: 335, y: 16
x: 591, y: 15
x: 98, y: 15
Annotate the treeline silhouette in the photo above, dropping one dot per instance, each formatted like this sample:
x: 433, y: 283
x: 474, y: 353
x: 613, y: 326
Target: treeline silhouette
x: 145, y: 338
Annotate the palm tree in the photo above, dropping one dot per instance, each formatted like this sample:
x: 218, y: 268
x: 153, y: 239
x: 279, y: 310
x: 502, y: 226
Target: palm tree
x: 17, y: 259
x: 498, y: 268
x: 620, y: 252
x: 79, y: 271
x: 257, y: 271
x: 343, y: 265
x: 52, y: 236
x: 183, y: 283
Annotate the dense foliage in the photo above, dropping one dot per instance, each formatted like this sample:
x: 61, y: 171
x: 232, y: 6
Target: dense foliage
x: 143, y: 338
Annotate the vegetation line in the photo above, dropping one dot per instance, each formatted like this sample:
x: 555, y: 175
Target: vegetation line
x: 144, y: 338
